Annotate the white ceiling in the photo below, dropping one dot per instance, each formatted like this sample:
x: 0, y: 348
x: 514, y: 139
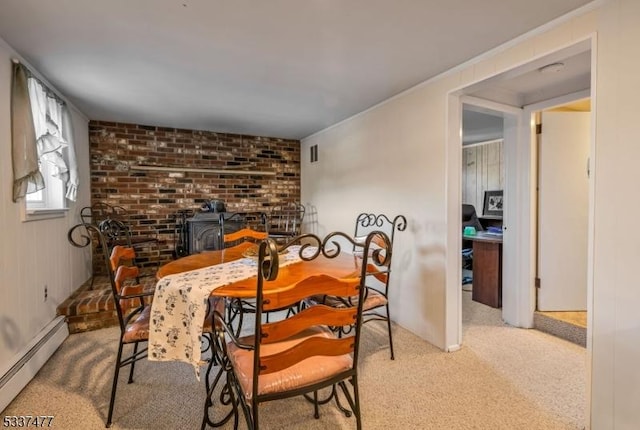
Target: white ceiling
x: 282, y: 68
x: 528, y: 84
x: 481, y: 127
x: 524, y: 86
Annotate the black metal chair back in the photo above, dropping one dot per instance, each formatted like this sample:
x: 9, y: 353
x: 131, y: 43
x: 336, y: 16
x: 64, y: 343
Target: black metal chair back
x: 100, y: 211
x: 285, y: 222
x: 255, y: 221
x: 367, y: 222
x: 377, y: 297
x: 300, y: 354
x: 123, y: 228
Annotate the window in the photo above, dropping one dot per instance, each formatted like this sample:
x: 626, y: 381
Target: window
x: 51, y: 197
x: 45, y: 171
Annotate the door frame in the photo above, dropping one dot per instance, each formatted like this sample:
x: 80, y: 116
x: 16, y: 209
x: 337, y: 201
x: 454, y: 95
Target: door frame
x: 511, y: 134
x: 519, y: 209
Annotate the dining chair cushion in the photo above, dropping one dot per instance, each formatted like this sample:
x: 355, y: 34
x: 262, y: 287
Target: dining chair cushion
x: 138, y: 329
x: 373, y: 300
x: 307, y: 372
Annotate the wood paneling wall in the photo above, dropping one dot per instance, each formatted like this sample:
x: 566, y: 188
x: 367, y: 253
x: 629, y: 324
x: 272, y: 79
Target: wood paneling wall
x: 482, y: 170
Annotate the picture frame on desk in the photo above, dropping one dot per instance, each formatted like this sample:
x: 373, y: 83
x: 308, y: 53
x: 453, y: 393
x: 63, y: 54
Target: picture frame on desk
x: 493, y: 203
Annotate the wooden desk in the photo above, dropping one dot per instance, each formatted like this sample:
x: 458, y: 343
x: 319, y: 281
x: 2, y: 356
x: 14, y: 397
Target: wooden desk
x: 490, y: 221
x: 487, y: 268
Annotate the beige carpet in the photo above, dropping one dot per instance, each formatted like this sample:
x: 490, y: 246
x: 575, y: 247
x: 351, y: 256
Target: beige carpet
x: 503, y: 378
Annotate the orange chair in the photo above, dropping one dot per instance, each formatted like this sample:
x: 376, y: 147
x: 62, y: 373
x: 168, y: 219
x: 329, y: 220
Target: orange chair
x: 376, y: 296
x: 133, y: 314
x: 300, y: 354
x: 132, y: 303
x: 240, y: 230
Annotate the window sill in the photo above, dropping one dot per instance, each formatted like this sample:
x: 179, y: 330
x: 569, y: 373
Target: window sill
x: 42, y: 214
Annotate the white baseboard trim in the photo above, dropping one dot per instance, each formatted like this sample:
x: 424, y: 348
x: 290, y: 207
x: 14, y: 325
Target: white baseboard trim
x: 454, y: 348
x: 26, y: 363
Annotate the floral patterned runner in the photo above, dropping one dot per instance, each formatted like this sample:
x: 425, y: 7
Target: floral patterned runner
x: 180, y: 305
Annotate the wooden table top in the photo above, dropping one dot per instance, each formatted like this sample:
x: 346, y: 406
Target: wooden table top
x: 343, y: 266
x: 203, y: 259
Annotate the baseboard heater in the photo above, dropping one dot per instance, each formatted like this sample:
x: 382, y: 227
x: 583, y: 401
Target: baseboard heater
x: 28, y: 362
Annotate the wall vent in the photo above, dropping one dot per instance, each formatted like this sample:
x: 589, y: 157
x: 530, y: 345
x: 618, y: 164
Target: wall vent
x: 314, y: 153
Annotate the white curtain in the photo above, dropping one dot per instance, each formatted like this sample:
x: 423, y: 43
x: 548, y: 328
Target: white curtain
x: 26, y: 173
x: 52, y: 124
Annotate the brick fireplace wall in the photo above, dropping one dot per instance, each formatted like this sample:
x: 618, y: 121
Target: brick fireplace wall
x: 153, y: 198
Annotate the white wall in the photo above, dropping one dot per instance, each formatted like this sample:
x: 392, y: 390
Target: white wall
x: 616, y: 293
x: 37, y: 253
x: 379, y: 162
x: 393, y: 157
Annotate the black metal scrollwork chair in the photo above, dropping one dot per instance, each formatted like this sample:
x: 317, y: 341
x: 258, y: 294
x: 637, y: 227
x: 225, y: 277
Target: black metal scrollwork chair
x: 376, y: 297
x: 242, y: 230
x: 141, y: 234
x: 299, y: 354
x: 132, y: 303
x: 100, y: 211
x: 133, y: 315
x: 129, y: 298
x: 285, y: 222
x: 126, y: 230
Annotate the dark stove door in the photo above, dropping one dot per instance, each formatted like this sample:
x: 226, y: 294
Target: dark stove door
x: 205, y: 233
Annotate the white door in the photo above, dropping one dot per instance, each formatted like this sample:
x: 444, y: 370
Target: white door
x: 563, y: 203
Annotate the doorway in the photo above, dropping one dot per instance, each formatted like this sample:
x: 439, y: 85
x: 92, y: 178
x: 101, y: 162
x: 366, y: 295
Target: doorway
x: 514, y: 93
x: 482, y: 183
x: 505, y: 93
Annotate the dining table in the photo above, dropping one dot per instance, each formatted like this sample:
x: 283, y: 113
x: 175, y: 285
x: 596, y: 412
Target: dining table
x: 184, y: 286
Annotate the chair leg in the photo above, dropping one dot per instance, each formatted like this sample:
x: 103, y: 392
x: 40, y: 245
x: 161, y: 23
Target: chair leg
x: 252, y: 422
x: 115, y: 385
x: 234, y: 310
x: 133, y: 363
x: 354, y: 402
x: 250, y: 411
x: 390, y: 333
x: 206, y: 419
x: 316, y: 409
x: 213, y: 361
x: 254, y: 416
x: 209, y: 367
x: 345, y: 411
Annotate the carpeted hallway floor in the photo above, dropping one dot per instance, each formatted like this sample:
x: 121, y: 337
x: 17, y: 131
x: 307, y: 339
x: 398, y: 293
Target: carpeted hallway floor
x: 502, y: 378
